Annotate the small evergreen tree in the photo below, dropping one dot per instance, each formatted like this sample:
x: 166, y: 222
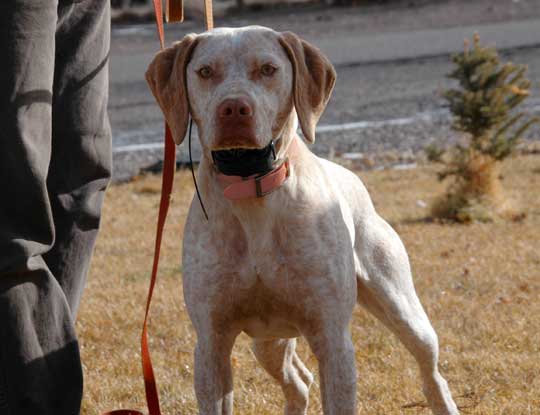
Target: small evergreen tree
x: 484, y: 108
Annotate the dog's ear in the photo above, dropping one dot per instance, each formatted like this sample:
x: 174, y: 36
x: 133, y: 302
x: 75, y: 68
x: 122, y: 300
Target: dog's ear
x: 166, y: 76
x: 314, y: 79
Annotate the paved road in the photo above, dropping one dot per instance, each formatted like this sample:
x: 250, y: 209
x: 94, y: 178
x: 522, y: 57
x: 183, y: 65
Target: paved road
x: 346, y: 50
x: 386, y: 93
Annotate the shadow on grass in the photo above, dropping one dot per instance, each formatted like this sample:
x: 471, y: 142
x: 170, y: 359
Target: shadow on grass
x: 426, y: 220
x: 465, y: 402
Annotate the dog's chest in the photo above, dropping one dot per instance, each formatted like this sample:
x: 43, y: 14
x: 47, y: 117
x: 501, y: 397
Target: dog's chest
x: 267, y: 311
x: 267, y: 272
x: 255, y: 251
x: 281, y: 255
x: 269, y: 277
x: 267, y: 280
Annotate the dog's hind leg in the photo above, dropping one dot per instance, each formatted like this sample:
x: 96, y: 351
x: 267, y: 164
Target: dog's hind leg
x: 279, y: 359
x: 386, y: 289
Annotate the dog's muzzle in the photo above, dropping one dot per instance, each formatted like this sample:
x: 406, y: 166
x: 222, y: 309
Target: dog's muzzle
x: 245, y: 162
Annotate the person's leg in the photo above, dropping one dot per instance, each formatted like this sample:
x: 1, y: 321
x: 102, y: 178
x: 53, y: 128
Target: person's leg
x: 81, y: 147
x: 40, y: 368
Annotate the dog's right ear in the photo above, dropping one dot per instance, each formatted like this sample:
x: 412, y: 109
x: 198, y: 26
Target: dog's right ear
x: 166, y: 76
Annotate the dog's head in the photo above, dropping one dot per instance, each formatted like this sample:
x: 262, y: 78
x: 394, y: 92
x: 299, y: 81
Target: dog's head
x: 241, y: 86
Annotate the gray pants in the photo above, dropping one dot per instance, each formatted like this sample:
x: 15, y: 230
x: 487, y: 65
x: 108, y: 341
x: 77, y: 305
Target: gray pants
x: 55, y: 163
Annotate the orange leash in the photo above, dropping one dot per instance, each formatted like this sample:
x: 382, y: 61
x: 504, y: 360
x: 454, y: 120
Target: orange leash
x: 174, y: 12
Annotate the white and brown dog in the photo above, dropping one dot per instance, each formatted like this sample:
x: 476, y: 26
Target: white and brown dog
x: 293, y: 241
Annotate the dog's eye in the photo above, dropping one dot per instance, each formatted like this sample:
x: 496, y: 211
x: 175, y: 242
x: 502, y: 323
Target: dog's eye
x: 268, y: 69
x: 205, y: 72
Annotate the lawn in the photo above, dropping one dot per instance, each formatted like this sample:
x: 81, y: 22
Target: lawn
x: 480, y: 284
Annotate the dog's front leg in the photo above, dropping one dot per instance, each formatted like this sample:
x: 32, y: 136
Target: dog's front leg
x: 337, y: 370
x: 213, y: 374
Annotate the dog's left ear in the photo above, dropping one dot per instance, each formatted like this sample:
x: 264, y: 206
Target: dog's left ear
x: 166, y: 76
x: 314, y: 79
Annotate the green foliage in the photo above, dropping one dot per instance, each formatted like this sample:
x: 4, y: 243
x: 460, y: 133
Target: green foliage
x: 483, y: 103
x: 485, y: 109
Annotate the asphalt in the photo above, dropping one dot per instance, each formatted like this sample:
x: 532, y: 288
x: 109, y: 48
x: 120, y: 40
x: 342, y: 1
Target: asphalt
x: 346, y: 50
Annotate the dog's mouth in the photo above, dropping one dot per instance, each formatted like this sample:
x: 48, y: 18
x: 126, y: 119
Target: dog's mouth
x: 245, y: 161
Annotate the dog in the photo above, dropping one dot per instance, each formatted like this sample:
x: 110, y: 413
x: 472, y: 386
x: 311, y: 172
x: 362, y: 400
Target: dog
x: 292, y: 242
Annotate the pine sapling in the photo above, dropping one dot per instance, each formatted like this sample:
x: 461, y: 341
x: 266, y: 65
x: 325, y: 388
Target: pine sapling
x: 485, y: 111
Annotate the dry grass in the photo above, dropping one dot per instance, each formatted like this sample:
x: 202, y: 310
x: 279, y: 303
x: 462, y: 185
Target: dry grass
x: 480, y: 284
x: 475, y: 192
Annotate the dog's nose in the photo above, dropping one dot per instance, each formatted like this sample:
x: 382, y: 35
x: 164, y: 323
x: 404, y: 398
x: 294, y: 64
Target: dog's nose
x: 236, y: 123
x: 235, y: 108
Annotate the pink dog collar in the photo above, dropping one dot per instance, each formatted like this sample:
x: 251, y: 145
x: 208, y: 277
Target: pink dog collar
x: 238, y: 187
